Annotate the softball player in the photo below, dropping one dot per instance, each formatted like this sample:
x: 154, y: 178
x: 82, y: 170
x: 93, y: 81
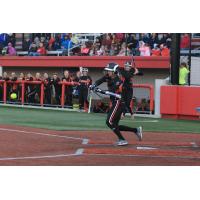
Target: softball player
x: 115, y: 91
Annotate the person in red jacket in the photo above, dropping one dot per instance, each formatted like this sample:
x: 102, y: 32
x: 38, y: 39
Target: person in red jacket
x: 164, y: 50
x: 185, y: 41
x: 155, y: 51
x: 41, y: 50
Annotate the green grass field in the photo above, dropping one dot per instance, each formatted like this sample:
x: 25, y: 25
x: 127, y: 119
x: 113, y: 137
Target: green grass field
x: 66, y: 120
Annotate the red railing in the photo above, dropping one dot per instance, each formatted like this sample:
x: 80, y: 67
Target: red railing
x: 63, y: 86
x: 41, y: 83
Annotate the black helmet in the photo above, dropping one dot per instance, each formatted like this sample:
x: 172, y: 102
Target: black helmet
x: 111, y: 67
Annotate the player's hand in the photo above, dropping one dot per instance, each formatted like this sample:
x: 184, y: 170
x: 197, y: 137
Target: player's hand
x: 92, y: 87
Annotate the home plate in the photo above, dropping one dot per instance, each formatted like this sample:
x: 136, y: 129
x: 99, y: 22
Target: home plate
x: 145, y: 148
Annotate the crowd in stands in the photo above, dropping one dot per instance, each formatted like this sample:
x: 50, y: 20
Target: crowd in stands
x: 109, y: 44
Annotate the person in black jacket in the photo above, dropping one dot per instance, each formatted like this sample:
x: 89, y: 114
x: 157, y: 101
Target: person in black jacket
x: 47, y: 89
x: 56, y: 88
x: 30, y: 90
x: 68, y: 89
x: 85, y: 81
x: 115, y: 91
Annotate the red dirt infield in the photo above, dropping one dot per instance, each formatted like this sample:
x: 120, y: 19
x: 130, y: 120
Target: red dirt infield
x: 32, y: 146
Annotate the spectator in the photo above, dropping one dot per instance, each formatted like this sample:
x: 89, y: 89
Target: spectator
x: 161, y: 39
x: 183, y: 73
x: 85, y: 81
x: 92, y: 51
x: 153, y: 40
x: 33, y: 50
x: 97, y: 42
x: 47, y: 89
x: 164, y: 50
x: 131, y: 42
x: 37, y: 88
x: 11, y: 50
x: 123, y: 50
x: 107, y: 41
x: 5, y: 76
x: 30, y: 89
x: 66, y: 44
x: 120, y: 37
x: 145, y: 38
x: 185, y: 41
x: 3, y: 39
x: 68, y: 89
x: 21, y: 76
x: 11, y: 39
x: 51, y: 43
x: 144, y: 49
x: 74, y: 39
x: 37, y: 41
x: 101, y: 51
x: 155, y: 51
x: 112, y: 50
x: 57, y: 43
x: 26, y: 44
x: 85, y: 50
x: 41, y: 50
x: 56, y: 88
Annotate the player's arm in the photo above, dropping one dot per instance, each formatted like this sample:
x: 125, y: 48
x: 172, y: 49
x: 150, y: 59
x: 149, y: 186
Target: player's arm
x: 98, y: 82
x: 105, y: 92
x: 136, y: 72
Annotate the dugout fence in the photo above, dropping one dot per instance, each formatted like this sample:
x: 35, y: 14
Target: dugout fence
x: 22, y: 84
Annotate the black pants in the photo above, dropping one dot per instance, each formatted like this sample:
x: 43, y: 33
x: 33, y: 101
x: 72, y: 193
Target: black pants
x: 83, y: 94
x: 68, y: 97
x: 128, y: 95
x: 113, y: 118
x: 57, y: 97
x: 47, y: 95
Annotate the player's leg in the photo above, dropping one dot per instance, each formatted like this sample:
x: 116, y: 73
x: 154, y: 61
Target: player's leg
x: 113, y: 120
x: 128, y: 102
x: 137, y: 131
x: 81, y: 100
x: 85, y: 97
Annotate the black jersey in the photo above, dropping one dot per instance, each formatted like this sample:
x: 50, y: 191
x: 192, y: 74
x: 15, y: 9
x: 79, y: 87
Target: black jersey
x: 113, y: 84
x: 85, y: 81
x: 127, y: 78
x: 57, y: 86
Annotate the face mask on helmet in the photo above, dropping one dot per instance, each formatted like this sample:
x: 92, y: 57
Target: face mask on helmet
x: 127, y: 66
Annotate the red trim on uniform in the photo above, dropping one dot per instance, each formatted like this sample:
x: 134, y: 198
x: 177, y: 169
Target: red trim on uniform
x: 114, y: 111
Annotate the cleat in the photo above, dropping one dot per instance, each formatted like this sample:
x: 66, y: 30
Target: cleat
x: 121, y: 143
x: 139, y: 133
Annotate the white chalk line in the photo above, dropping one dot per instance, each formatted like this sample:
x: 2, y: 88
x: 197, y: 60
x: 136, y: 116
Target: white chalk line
x: 43, y: 134
x: 140, y: 121
x: 77, y: 153
x: 144, y: 156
